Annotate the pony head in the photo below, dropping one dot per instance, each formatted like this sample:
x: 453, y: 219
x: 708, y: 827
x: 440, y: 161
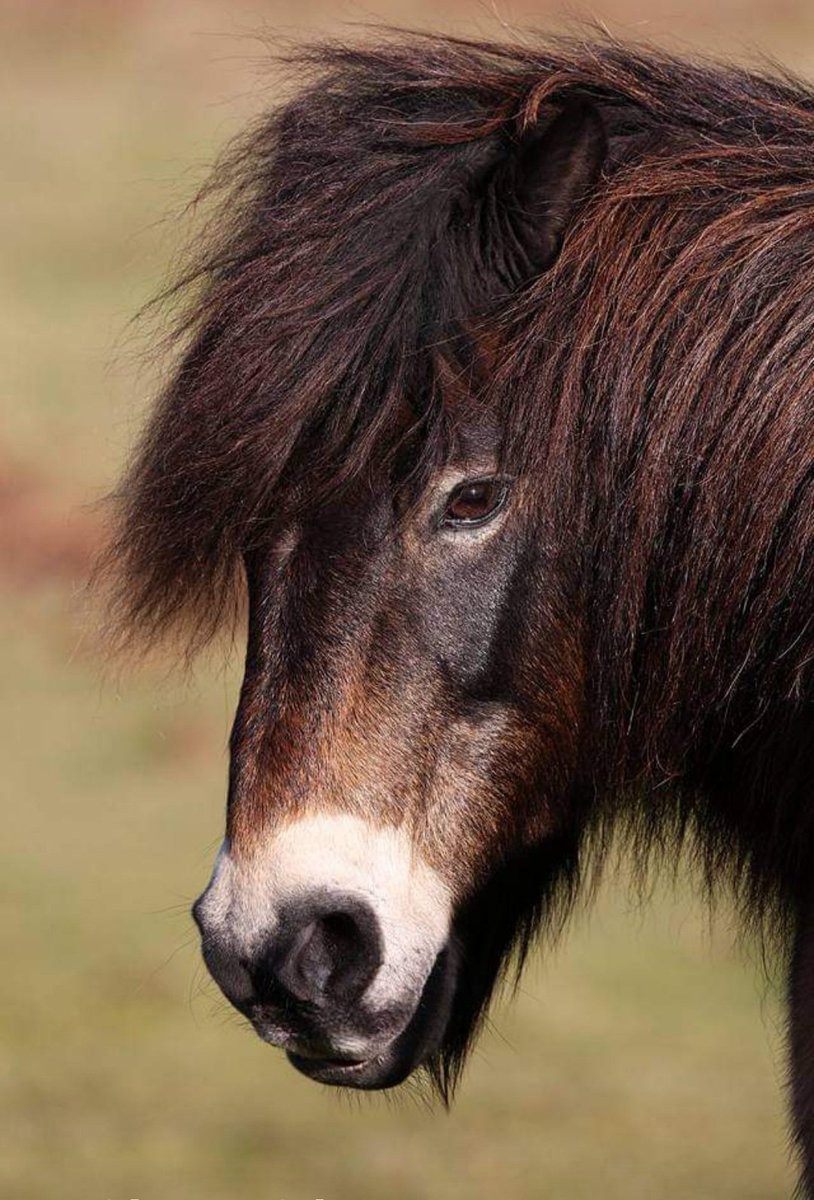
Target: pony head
x: 408, y: 425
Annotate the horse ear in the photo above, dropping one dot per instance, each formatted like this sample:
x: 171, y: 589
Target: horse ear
x: 554, y: 171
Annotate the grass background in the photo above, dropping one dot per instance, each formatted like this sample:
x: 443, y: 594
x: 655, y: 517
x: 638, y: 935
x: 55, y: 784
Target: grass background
x: 643, y: 1059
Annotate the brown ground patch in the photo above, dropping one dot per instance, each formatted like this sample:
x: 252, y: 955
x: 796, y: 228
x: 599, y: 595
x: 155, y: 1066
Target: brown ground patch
x: 45, y: 534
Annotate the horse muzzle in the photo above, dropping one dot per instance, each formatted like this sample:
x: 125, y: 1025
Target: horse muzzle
x: 344, y: 960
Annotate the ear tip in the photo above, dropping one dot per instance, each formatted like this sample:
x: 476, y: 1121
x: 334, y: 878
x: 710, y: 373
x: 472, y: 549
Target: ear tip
x: 594, y: 129
x: 581, y: 113
x: 592, y: 116
x: 559, y: 164
x: 576, y: 124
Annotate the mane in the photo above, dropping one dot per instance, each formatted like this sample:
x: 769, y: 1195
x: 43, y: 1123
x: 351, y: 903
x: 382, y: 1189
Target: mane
x: 659, y: 380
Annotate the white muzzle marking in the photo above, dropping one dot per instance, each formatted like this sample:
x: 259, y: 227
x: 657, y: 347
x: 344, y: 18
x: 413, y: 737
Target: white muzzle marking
x: 345, y: 854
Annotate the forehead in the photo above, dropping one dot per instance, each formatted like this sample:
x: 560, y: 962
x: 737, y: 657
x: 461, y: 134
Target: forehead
x: 475, y: 443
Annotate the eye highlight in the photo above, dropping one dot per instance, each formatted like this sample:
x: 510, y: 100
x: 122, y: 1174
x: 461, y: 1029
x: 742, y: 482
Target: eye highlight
x: 474, y: 502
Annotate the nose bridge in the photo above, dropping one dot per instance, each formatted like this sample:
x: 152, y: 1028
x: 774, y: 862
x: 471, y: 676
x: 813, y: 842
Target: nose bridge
x: 353, y: 739
x: 306, y: 712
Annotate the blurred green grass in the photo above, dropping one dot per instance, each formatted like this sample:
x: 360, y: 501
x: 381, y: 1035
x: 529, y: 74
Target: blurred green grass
x: 643, y: 1059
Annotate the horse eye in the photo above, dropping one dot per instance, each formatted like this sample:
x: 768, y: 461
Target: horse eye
x: 474, y: 502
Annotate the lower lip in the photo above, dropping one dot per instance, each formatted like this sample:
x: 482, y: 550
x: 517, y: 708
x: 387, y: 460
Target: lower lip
x: 328, y: 1070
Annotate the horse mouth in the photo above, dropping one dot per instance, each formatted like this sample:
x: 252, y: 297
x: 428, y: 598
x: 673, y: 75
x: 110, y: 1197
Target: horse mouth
x: 372, y: 1074
x: 409, y: 1050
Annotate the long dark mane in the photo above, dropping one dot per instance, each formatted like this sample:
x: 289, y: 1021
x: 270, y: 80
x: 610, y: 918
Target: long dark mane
x: 657, y: 382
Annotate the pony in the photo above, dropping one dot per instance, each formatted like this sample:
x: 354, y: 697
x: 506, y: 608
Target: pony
x: 493, y: 412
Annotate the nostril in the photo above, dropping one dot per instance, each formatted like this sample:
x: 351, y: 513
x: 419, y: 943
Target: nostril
x: 332, y: 953
x: 306, y: 968
x: 341, y: 934
x: 332, y: 957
